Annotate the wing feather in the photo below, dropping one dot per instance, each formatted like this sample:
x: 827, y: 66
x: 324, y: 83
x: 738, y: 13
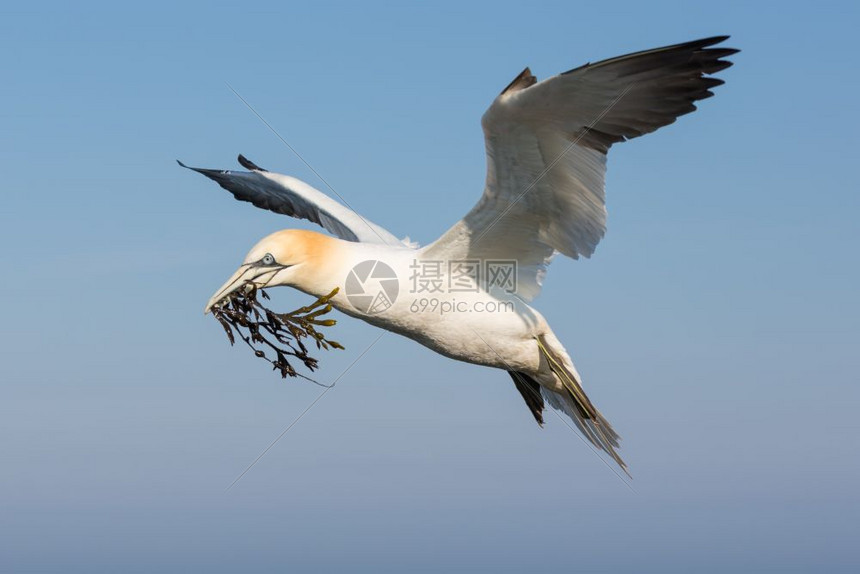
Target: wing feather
x: 290, y: 196
x: 546, y: 145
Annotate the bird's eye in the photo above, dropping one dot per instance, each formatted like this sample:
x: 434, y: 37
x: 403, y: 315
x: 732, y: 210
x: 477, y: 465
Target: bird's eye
x: 268, y: 259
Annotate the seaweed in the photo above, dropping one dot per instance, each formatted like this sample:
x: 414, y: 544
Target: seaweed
x: 282, y: 335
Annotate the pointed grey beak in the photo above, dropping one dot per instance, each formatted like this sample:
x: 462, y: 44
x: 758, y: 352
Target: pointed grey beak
x: 239, y: 279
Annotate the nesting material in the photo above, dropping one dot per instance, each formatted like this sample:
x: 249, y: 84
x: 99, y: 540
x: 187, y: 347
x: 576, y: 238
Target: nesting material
x: 276, y: 337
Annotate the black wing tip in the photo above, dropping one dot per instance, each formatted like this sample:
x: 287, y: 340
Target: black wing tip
x: 709, y: 46
x: 711, y: 40
x: 714, y: 60
x: 245, y: 162
x: 700, y: 46
x: 213, y: 174
x: 705, y: 43
x: 192, y: 168
x: 248, y: 164
x: 706, y: 46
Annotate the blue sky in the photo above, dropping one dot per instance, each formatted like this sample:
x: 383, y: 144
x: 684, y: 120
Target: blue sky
x: 716, y: 326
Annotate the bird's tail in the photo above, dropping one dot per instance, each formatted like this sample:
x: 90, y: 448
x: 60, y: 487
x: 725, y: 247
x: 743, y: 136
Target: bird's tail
x: 573, y: 401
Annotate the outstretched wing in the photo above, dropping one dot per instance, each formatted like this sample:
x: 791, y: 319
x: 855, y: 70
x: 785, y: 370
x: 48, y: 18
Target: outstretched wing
x: 546, y: 148
x: 290, y: 196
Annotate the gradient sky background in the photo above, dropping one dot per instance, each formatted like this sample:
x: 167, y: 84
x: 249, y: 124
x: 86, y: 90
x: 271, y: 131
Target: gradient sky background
x: 717, y: 326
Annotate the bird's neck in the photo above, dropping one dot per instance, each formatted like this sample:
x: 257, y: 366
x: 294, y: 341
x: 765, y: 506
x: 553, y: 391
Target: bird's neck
x: 324, y: 262
x: 327, y: 262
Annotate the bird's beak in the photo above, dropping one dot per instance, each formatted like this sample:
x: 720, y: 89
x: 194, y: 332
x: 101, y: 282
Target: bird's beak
x: 260, y: 276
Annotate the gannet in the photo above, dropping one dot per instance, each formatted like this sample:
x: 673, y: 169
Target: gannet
x: 466, y: 295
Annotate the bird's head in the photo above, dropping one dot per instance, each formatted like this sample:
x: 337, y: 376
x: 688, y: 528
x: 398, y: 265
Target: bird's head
x: 290, y: 257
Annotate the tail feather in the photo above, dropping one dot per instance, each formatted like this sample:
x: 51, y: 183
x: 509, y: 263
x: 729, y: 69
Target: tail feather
x: 575, y: 404
x: 530, y: 391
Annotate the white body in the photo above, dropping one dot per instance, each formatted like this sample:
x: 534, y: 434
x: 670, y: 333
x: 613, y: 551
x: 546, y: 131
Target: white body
x: 495, y: 330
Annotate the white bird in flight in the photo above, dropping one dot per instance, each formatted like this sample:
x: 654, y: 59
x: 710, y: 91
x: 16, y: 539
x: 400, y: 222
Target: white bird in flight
x: 466, y: 295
